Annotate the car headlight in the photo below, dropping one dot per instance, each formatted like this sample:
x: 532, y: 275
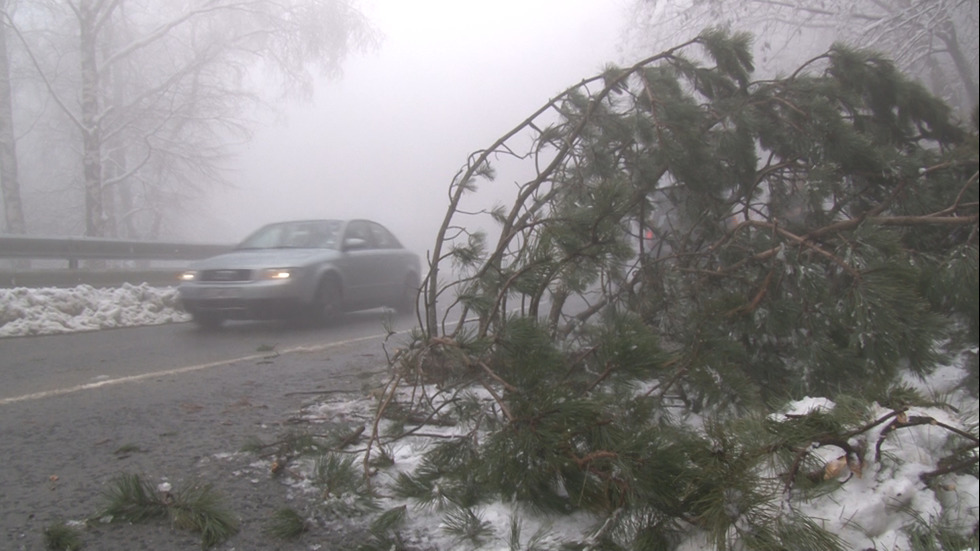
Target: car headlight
x: 278, y: 274
x: 187, y: 276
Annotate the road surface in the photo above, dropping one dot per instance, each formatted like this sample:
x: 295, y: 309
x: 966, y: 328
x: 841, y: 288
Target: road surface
x: 36, y: 366
x: 169, y: 403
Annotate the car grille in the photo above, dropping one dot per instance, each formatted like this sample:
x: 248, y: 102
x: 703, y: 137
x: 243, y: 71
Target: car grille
x: 226, y: 275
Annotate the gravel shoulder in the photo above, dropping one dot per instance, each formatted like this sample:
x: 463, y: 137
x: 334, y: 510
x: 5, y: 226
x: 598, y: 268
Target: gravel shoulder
x: 60, y: 452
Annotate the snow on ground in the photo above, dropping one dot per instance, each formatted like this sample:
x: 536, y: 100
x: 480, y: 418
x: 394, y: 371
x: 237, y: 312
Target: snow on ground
x: 871, y: 509
x: 49, y: 311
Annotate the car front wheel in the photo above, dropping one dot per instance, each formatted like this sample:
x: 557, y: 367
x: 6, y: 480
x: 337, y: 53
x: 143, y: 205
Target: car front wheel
x: 208, y: 320
x: 326, y: 303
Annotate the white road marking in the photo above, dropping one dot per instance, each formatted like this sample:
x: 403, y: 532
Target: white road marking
x: 175, y: 371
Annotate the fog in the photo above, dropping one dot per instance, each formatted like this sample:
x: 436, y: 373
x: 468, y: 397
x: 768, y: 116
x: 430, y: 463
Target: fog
x: 385, y: 139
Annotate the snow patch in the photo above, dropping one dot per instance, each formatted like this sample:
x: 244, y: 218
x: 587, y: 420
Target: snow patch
x: 51, y: 310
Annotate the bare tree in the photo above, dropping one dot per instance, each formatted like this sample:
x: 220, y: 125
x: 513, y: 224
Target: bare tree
x: 156, y: 91
x: 934, y: 40
x: 9, y: 182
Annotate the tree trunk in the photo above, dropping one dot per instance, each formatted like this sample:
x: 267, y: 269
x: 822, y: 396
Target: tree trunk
x: 9, y: 182
x: 91, y: 132
x: 964, y: 69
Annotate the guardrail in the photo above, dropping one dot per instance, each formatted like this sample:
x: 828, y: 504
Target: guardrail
x: 75, y: 249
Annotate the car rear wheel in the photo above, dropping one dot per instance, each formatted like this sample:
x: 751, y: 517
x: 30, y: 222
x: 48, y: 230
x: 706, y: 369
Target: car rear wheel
x: 408, y: 300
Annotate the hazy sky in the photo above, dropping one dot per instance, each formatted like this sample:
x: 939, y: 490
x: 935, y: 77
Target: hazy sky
x: 385, y: 140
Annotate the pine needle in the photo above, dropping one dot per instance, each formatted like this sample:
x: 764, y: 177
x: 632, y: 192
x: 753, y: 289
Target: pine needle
x: 197, y: 507
x: 61, y: 537
x: 286, y: 524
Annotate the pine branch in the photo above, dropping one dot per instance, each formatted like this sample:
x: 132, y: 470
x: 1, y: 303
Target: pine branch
x: 950, y: 468
x: 756, y: 300
x: 507, y: 386
x: 903, y: 421
x: 500, y: 402
x: 390, y: 389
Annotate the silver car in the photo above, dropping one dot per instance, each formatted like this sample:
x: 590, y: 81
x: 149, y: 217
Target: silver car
x: 306, y: 269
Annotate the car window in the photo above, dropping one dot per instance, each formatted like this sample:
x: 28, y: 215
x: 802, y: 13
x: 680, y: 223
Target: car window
x: 314, y: 234
x: 383, y: 239
x: 359, y: 229
x: 325, y: 234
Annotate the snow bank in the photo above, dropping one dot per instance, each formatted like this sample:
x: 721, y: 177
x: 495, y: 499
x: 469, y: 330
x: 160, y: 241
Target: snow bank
x: 50, y: 310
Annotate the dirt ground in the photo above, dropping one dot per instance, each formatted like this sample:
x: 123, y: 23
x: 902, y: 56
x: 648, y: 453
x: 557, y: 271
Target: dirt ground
x: 59, y: 453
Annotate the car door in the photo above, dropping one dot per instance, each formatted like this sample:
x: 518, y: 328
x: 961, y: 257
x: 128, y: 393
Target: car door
x: 393, y: 260
x: 363, y: 269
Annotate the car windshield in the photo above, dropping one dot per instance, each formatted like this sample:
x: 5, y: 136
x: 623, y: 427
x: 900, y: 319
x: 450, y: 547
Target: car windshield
x: 312, y: 234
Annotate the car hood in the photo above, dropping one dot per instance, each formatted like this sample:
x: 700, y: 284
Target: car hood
x: 265, y: 258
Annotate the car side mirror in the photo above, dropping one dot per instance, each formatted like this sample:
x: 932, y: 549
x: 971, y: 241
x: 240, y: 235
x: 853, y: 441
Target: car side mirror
x: 353, y: 243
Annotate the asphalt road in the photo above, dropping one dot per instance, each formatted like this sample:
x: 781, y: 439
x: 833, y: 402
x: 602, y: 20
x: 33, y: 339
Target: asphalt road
x: 169, y: 403
x: 56, y: 364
